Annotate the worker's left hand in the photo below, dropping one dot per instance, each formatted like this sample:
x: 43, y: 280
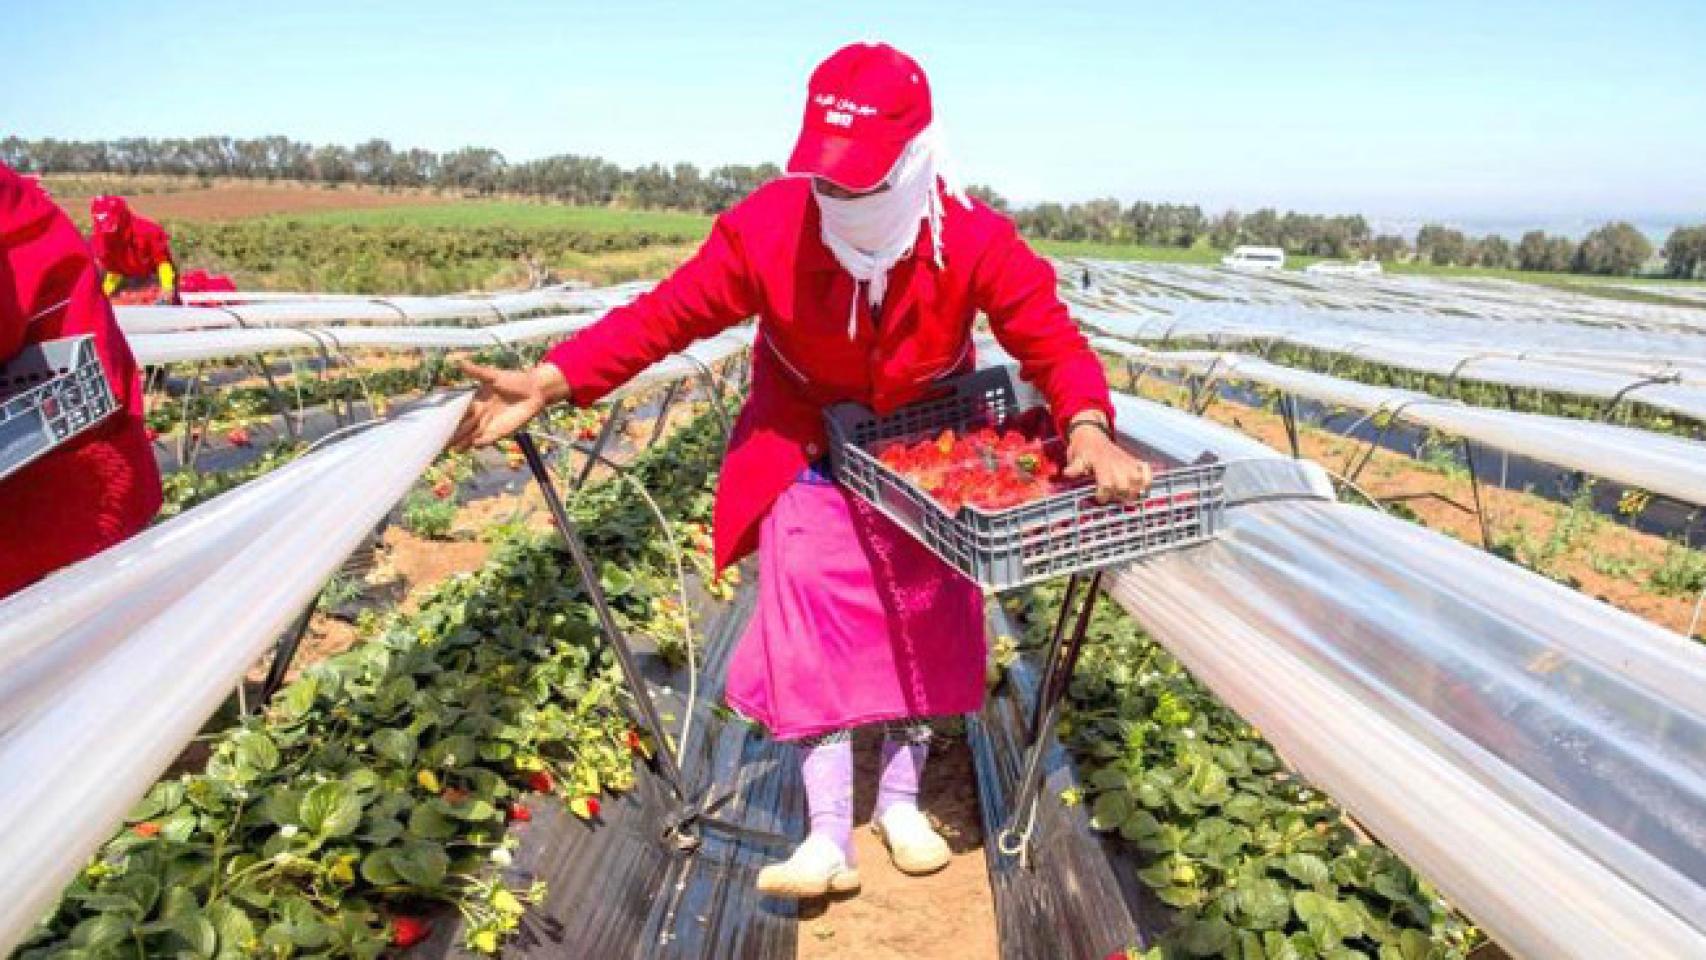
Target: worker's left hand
x: 1118, y: 474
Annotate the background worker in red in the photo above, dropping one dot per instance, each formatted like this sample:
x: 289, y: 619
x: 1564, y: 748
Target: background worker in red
x: 102, y: 486
x: 865, y: 270
x: 130, y: 247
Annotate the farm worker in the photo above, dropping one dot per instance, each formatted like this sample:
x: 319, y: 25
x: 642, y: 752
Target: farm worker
x: 102, y: 486
x: 200, y: 281
x: 865, y: 269
x: 129, y: 247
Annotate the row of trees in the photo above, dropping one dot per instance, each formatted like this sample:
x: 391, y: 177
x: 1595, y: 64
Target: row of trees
x: 477, y: 170
x: 1613, y: 249
x: 1182, y: 225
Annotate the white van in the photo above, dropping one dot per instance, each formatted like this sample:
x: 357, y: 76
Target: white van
x: 1254, y: 258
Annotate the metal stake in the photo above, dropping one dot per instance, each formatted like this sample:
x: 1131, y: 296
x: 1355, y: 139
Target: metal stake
x: 1064, y: 648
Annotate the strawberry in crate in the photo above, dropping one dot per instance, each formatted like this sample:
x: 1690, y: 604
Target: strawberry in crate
x: 991, y: 468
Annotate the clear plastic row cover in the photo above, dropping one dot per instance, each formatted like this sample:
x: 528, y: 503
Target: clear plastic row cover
x: 109, y: 667
x: 153, y: 349
x: 228, y: 310
x: 1450, y: 299
x: 1668, y: 465
x: 1537, y: 754
x: 1671, y: 383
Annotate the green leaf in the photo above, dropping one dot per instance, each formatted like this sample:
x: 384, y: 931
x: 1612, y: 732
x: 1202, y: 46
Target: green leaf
x: 451, y: 752
x: 1277, y: 947
x: 1305, y: 868
x: 379, y: 868
x: 1245, y: 808
x: 397, y: 746
x: 331, y: 810
x: 429, y: 821
x: 1264, y: 904
x: 615, y: 580
x: 1109, y: 778
x: 473, y: 811
x: 236, y: 931
x: 140, y: 887
x: 1140, y: 827
x: 180, y: 902
x: 162, y: 798
x: 307, y: 928
x: 421, y: 863
x: 297, y: 699
x: 198, y: 932
x: 101, y: 932
x: 1411, y: 945
x: 1110, y: 810
x: 1180, y: 897
x: 1205, y: 938
x: 280, y: 805
x: 257, y: 751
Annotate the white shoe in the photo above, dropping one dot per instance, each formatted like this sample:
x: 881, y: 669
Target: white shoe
x: 914, y: 845
x: 816, y: 868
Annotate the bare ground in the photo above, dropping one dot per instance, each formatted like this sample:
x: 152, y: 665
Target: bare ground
x: 946, y: 916
x: 181, y: 199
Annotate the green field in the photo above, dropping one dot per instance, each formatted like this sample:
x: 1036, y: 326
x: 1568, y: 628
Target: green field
x: 517, y: 214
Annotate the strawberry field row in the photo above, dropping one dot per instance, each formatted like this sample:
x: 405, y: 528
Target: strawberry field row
x: 376, y: 789
x: 1257, y: 864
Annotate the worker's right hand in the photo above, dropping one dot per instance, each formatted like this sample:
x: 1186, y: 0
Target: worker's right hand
x: 504, y: 401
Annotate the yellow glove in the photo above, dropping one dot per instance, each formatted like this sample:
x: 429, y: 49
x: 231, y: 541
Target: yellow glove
x: 168, y: 282
x: 110, y: 282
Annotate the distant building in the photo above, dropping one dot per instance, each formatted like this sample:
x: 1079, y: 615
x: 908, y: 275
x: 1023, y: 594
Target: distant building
x: 1254, y: 258
x: 1337, y: 268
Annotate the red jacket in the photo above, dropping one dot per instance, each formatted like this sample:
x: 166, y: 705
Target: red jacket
x: 103, y: 486
x: 127, y: 243
x: 764, y: 258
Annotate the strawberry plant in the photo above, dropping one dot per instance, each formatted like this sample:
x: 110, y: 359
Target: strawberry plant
x: 376, y: 791
x: 1256, y: 862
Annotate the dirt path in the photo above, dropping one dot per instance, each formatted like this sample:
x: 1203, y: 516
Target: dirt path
x: 1600, y: 557
x: 947, y: 916
x: 185, y: 199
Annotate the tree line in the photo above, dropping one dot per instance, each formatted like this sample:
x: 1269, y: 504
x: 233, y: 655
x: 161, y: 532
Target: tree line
x: 569, y: 178
x: 1614, y: 249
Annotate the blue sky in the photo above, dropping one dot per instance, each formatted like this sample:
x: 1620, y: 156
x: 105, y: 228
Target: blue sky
x: 1509, y: 110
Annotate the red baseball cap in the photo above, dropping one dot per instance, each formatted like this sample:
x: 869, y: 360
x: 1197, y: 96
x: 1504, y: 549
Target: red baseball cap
x: 863, y: 106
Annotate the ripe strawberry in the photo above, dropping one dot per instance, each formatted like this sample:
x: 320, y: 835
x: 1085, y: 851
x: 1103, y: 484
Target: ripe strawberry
x: 238, y: 437
x: 518, y: 813
x: 408, y: 931
x: 147, y: 828
x: 443, y: 489
x: 540, y: 781
x: 635, y: 744
x: 586, y: 433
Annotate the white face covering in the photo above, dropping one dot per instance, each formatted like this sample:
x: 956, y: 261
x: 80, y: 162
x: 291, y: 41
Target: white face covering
x: 869, y: 234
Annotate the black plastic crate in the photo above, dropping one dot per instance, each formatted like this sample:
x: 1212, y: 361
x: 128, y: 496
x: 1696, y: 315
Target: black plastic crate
x: 1067, y: 532
x: 49, y: 393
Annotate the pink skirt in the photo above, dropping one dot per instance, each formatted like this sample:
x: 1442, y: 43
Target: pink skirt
x: 857, y: 623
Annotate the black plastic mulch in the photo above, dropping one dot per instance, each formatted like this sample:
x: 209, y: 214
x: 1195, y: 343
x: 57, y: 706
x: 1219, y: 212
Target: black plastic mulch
x: 617, y: 889
x: 1078, y: 896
